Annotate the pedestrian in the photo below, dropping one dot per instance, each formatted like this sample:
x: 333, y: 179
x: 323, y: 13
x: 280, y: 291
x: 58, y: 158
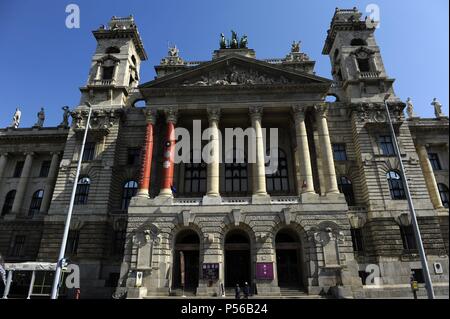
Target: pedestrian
x: 246, y: 290
x: 237, y: 292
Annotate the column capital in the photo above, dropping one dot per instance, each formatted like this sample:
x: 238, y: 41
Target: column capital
x: 213, y: 113
x: 299, y: 111
x: 150, y: 115
x: 321, y: 109
x: 55, y: 153
x: 5, y: 154
x: 29, y: 153
x: 256, y: 112
x: 171, y: 114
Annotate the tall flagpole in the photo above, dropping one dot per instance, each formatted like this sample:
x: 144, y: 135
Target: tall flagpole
x: 423, y: 257
x: 62, y: 250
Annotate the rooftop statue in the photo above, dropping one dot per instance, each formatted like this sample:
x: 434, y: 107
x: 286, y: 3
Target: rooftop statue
x: 16, y: 118
x: 410, y: 108
x: 243, y: 42
x: 437, y: 108
x: 295, y: 46
x: 234, y: 40
x: 66, y: 113
x: 173, y: 51
x: 223, y: 42
x: 41, y: 118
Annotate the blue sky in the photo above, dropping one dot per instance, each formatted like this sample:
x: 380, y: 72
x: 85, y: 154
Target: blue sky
x: 43, y: 63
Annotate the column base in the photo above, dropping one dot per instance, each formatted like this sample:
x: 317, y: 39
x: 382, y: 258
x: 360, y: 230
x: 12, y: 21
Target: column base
x: 211, y: 200
x: 143, y: 193
x: 260, y: 199
x: 309, y: 197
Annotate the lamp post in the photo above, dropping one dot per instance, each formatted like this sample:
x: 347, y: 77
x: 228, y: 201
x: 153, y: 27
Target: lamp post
x: 423, y: 257
x: 59, y: 263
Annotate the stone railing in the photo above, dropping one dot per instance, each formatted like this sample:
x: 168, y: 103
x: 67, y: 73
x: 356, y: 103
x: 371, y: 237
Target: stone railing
x: 103, y: 82
x: 357, y: 209
x: 273, y: 61
x: 187, y: 201
x: 372, y: 74
x: 284, y: 199
x: 236, y: 200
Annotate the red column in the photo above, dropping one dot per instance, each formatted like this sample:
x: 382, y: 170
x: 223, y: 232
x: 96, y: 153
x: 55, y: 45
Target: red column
x: 168, y: 159
x: 146, y: 167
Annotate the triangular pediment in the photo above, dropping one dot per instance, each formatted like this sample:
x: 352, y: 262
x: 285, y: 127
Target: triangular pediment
x: 234, y: 70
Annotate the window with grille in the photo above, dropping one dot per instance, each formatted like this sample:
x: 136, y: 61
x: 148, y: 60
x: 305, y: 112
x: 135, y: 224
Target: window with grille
x: 408, y: 238
x: 130, y: 189
x: 73, y: 240
x: 395, y: 185
x: 339, y: 152
x: 45, y: 168
x: 36, y: 201
x: 443, y: 192
x: 89, y: 151
x: 345, y: 187
x: 434, y: 160
x: 18, y: 246
x: 386, y: 145
x: 278, y: 182
x: 18, y: 169
x: 357, y: 239
x: 81, y: 196
x: 194, y: 178
x: 236, y: 174
x: 9, y: 201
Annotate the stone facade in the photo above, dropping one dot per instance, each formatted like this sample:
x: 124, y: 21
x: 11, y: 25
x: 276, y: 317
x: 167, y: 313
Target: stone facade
x: 326, y: 221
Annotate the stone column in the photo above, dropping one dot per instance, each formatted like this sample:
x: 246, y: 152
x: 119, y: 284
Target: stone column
x: 169, y: 154
x: 259, y: 169
x: 213, y: 175
x: 146, y: 163
x: 22, y: 187
x: 306, y: 176
x: 327, y: 151
x: 428, y: 174
x: 50, y: 183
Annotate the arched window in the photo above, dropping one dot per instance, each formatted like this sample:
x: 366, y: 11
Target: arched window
x: 236, y: 175
x: 194, y: 178
x: 81, y: 196
x: 129, y: 190
x: 112, y: 50
x: 358, y: 42
x: 346, y: 188
x: 395, y: 185
x: 278, y: 182
x: 36, y: 202
x: 9, y: 201
x: 443, y: 192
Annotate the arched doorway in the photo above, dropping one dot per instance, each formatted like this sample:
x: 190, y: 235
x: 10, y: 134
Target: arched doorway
x: 237, y: 258
x: 287, y: 245
x: 187, y: 247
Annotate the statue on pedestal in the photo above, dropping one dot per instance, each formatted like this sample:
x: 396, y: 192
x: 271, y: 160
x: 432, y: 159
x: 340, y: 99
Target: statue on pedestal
x: 41, y: 118
x: 295, y: 47
x: 223, y: 42
x: 410, y: 108
x: 234, y: 42
x: 16, y: 118
x: 243, y: 42
x: 437, y: 108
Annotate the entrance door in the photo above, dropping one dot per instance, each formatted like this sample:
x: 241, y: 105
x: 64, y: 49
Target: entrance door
x: 237, y: 259
x: 288, y: 259
x: 187, y: 242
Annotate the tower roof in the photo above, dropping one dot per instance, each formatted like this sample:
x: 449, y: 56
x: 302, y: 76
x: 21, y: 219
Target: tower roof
x: 122, y: 28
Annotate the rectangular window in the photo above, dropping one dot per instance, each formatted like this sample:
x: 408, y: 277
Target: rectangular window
x: 108, y: 72
x: 386, y: 145
x: 45, y: 168
x: 18, y: 169
x: 339, y: 152
x: 434, y: 160
x: 72, y: 242
x: 17, y: 247
x: 408, y: 239
x: 363, y: 65
x: 43, y: 283
x: 89, y: 151
x: 134, y: 156
x: 357, y: 239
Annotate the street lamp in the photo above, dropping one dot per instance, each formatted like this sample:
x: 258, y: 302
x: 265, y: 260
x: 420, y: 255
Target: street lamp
x: 59, y: 263
x: 423, y: 257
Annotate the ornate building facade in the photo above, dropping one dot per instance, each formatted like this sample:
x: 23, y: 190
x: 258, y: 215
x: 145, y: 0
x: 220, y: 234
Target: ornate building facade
x: 331, y: 217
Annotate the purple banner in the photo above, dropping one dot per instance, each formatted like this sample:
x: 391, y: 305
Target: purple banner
x: 264, y: 271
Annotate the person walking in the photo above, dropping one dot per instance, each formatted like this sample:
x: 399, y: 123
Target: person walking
x: 246, y: 290
x: 237, y: 292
